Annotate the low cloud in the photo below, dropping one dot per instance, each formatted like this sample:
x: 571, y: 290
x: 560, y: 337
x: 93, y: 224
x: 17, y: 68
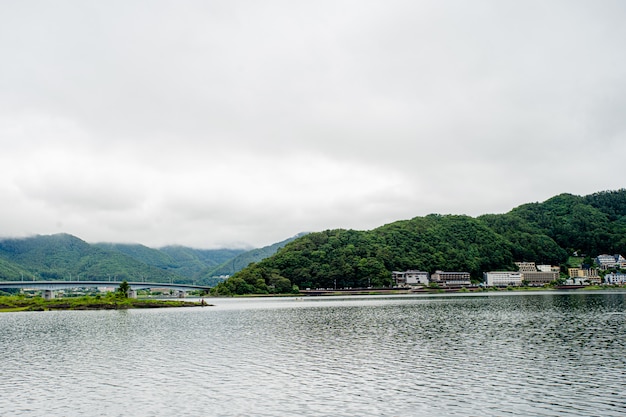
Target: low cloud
x: 233, y: 123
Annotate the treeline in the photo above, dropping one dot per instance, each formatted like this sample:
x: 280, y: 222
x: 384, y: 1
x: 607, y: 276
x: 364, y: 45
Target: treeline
x: 242, y: 260
x: 64, y: 257
x: 545, y: 233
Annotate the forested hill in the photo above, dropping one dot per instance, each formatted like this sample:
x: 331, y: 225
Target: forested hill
x: 64, y: 257
x: 239, y: 262
x: 184, y: 261
x: 546, y: 232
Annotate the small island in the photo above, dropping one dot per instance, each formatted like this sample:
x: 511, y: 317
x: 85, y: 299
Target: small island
x: 118, y: 300
x: 20, y: 303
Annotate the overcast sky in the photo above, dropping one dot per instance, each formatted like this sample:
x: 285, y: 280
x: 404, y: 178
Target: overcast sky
x: 241, y: 123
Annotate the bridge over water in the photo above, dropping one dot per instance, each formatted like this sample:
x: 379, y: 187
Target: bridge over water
x: 48, y: 287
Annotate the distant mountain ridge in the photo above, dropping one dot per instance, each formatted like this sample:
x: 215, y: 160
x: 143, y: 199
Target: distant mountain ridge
x: 181, y: 260
x: 546, y: 232
x: 66, y: 257
x: 244, y: 259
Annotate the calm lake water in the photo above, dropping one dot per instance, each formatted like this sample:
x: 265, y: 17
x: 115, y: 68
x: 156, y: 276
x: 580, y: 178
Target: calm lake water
x: 517, y: 354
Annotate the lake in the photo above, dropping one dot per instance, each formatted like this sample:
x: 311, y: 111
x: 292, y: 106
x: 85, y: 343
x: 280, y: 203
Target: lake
x: 488, y: 354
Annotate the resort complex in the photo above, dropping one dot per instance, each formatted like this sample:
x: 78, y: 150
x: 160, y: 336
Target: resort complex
x: 528, y: 273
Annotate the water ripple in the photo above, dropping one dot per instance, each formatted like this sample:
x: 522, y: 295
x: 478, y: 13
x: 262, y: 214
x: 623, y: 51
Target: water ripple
x: 516, y: 355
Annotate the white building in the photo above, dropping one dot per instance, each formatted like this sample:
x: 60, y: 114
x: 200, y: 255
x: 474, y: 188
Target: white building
x: 548, y: 268
x: 502, y: 278
x: 605, y: 261
x: 615, y: 279
x: 410, y: 277
x: 526, y: 266
x: 414, y: 277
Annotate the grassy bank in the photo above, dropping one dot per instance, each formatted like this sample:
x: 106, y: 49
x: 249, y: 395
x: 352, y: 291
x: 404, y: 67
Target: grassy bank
x: 21, y: 303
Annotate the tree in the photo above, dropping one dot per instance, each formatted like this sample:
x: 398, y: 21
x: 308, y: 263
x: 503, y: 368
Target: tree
x: 123, y: 289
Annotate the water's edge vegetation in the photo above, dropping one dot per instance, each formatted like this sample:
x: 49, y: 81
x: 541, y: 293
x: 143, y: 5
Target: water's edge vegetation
x: 13, y: 303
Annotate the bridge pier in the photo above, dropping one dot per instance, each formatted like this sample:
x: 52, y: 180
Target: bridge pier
x: 48, y: 294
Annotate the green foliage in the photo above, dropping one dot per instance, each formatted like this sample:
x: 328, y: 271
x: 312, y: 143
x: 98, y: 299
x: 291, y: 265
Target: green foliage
x: 582, y: 224
x: 545, y: 233
x: 611, y: 203
x: 109, y: 302
x: 123, y: 289
x: 242, y: 260
x: 11, y: 271
x: 528, y: 242
x: 192, y: 263
x: 188, y: 264
x: 65, y: 257
x: 149, y: 256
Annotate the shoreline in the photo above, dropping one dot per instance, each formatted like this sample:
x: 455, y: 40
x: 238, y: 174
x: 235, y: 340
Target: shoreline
x: 14, y: 303
x: 380, y: 291
x: 425, y: 291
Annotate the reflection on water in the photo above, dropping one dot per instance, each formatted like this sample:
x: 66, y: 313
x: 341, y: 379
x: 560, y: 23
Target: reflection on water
x: 540, y: 354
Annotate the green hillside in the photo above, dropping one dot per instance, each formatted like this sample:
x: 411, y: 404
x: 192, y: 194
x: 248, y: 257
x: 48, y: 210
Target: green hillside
x: 65, y: 257
x: 192, y: 263
x: 10, y: 271
x: 180, y: 260
x: 244, y: 259
x: 545, y: 232
x: 141, y: 253
x: 549, y: 233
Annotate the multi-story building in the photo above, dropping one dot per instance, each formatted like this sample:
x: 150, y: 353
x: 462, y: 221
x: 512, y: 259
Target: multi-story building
x: 533, y: 276
x: 605, y: 261
x: 414, y: 277
x: 502, y: 278
x: 548, y: 268
x: 539, y: 278
x: 615, y: 278
x: 451, y: 279
x: 590, y: 275
x: 410, y: 277
x: 399, y: 278
x: 526, y: 266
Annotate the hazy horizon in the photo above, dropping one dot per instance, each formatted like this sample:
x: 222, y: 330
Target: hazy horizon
x: 227, y: 124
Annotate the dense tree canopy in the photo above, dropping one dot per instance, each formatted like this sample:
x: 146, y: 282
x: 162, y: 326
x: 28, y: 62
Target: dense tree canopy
x: 539, y: 232
x: 545, y: 233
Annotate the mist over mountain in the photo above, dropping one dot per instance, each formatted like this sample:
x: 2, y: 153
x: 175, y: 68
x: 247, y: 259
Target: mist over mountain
x: 244, y: 259
x: 66, y: 257
x: 546, y: 232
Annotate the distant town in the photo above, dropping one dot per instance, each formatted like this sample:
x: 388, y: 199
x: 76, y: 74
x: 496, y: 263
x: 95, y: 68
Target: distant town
x: 606, y: 270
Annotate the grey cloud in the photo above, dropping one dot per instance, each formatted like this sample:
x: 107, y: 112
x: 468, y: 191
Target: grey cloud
x: 239, y: 121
